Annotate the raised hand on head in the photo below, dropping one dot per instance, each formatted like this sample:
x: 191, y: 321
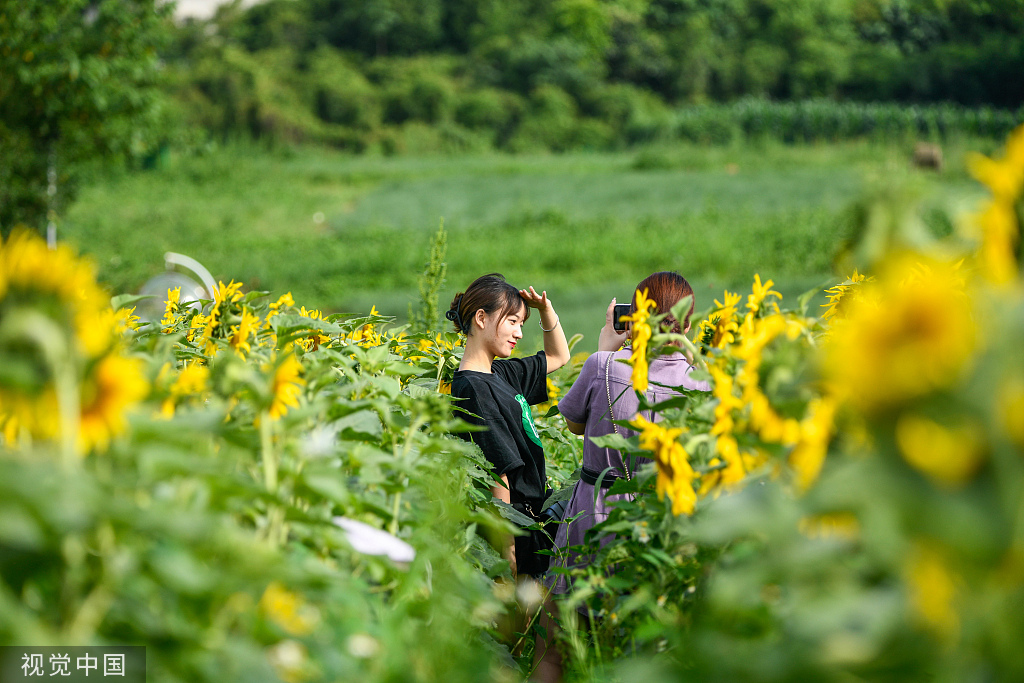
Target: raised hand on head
x: 535, y: 300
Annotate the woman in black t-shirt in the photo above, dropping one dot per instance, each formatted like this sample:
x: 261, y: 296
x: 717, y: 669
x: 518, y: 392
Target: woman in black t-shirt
x: 498, y: 390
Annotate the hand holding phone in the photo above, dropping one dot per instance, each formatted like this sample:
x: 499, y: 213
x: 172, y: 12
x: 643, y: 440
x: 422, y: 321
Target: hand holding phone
x: 613, y: 333
x: 620, y: 311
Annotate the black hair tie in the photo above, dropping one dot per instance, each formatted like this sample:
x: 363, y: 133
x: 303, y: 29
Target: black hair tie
x: 453, y: 313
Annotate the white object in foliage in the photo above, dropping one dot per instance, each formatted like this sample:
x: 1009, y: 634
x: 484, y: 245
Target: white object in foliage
x: 370, y: 541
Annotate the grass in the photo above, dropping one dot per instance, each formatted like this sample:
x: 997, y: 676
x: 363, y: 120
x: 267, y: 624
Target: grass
x: 342, y: 232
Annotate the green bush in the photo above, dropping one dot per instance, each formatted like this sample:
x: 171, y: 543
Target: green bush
x: 549, y: 122
x: 974, y: 74
x: 705, y: 124
x: 418, y: 89
x: 523, y: 65
x: 417, y: 137
x: 488, y: 108
x: 339, y: 92
x: 620, y: 104
x: 594, y: 134
x: 816, y: 120
x: 426, y: 99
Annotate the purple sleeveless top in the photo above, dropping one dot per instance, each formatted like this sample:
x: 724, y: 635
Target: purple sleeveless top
x: 587, y: 403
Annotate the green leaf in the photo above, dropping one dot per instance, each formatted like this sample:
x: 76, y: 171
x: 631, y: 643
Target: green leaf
x: 421, y: 390
x: 805, y: 299
x: 574, y: 340
x: 328, y: 483
x: 511, y: 514
x: 126, y: 300
x: 623, y: 485
x: 565, y: 492
x: 292, y: 322
x: 682, y: 308
x: 614, y: 441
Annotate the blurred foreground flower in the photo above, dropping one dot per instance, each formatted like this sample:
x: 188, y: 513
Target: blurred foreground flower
x: 909, y: 333
x: 1011, y: 413
x: 372, y: 541
x: 116, y: 384
x: 948, y: 455
x: 192, y: 380
x: 840, y: 296
x: 675, y: 475
x: 289, y: 610
x: 286, y: 387
x: 998, y: 221
x: 290, y: 661
x: 808, y: 456
x: 59, y: 284
x: 933, y: 591
x: 65, y: 373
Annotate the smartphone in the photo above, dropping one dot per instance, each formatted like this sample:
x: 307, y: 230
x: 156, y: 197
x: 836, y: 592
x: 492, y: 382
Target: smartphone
x: 620, y: 310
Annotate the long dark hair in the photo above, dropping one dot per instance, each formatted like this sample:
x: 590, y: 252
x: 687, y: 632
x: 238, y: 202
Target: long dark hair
x: 490, y: 292
x: 667, y: 289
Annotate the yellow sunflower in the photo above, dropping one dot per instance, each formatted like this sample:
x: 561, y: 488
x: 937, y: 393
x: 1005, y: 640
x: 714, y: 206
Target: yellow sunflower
x: 247, y: 327
x: 840, y: 295
x: 116, y: 384
x: 720, y: 329
x: 675, y: 475
x: 1000, y: 232
x: 191, y: 380
x: 126, y: 320
x: 224, y: 299
x: 286, y: 387
x: 315, y: 340
x: 641, y: 337
x: 171, y: 309
x: 284, y: 301
x: 909, y: 333
x: 31, y: 274
x: 760, y: 292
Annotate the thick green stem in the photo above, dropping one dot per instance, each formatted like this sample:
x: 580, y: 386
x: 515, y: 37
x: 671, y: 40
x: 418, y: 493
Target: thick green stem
x: 267, y: 448
x: 407, y: 446
x: 276, y: 530
x: 393, y: 527
x: 67, y: 402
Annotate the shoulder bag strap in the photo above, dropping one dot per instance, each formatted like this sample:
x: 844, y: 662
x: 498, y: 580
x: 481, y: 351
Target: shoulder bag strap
x: 611, y: 412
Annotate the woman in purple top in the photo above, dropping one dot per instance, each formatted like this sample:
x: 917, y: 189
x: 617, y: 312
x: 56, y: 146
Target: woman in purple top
x: 585, y: 408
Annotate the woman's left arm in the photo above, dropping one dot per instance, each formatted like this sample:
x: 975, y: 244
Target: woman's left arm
x: 556, y: 348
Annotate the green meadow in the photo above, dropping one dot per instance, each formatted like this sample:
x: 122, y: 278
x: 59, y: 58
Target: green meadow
x: 345, y: 232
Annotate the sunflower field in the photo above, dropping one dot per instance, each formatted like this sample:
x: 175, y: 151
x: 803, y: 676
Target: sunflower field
x: 257, y: 491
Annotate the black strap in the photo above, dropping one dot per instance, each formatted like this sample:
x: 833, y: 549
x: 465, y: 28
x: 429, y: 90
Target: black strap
x: 590, y: 476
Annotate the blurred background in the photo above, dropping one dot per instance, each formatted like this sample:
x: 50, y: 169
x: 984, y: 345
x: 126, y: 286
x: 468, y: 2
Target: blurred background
x: 315, y: 146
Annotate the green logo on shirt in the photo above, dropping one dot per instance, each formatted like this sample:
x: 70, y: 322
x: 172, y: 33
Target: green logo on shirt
x: 531, y: 431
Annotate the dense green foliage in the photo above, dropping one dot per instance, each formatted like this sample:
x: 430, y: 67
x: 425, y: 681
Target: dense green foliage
x: 82, y: 81
x: 843, y: 504
x: 427, y: 75
x: 78, y: 80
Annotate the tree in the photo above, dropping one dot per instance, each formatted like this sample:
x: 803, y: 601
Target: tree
x: 79, y: 80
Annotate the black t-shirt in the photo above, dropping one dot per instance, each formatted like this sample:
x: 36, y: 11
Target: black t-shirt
x: 501, y: 402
